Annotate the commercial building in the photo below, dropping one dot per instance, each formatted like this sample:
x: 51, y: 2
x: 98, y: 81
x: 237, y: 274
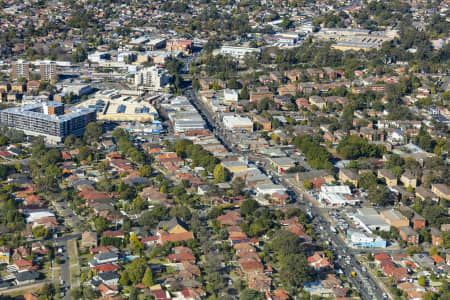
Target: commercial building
x: 230, y: 96
x: 336, y: 196
x: 235, y: 166
x: 394, y: 218
x: 184, y: 122
x: 362, y: 240
x: 282, y: 163
x: 48, y: 119
x: 48, y: 70
x: 98, y: 57
x: 182, y: 115
x: 152, y: 77
x: 269, y: 189
x: 185, y: 46
x: 20, y: 69
x: 238, y: 52
x: 237, y: 123
x: 369, y: 222
x: 355, y: 39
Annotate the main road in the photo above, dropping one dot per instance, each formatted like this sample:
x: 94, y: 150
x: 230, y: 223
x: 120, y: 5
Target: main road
x: 365, y: 284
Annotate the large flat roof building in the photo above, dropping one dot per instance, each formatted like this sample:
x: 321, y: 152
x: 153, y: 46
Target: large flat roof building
x: 48, y: 119
x: 238, y: 52
x: 237, y: 123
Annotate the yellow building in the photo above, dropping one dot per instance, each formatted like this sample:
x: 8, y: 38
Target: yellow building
x: 282, y: 163
x: 346, y: 175
x: 235, y: 166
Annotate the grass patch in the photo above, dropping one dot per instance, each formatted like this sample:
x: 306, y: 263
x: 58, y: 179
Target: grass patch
x: 25, y: 290
x: 73, y: 275
x: 73, y: 251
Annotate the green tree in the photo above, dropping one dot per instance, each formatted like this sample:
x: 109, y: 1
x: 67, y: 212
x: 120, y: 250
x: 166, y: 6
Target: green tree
x: 367, y: 180
x: 220, y: 174
x: 93, y: 132
x: 124, y: 278
x: 413, y: 250
x: 422, y: 280
x: 244, y: 95
x: 237, y: 185
x: 145, y: 171
x: 295, y: 271
x: 136, y: 269
x: 378, y: 195
x: 101, y: 224
x: 249, y: 294
x: 308, y: 184
x: 133, y: 294
x: 147, y: 280
x: 249, y: 207
x: 40, y: 232
x: 135, y: 243
x: 433, y: 251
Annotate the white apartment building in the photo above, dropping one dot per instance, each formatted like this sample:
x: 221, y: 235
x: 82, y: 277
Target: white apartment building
x: 48, y: 70
x: 238, y: 52
x: 152, y: 76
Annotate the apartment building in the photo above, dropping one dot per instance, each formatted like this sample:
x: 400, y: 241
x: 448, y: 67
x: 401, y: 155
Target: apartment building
x: 152, y: 77
x: 20, y: 69
x: 48, y: 119
x: 48, y: 70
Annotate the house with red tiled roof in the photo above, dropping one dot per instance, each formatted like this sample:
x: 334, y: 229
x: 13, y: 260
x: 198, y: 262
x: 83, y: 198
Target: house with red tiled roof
x: 93, y: 195
x: 115, y: 234
x: 66, y: 155
x: 291, y: 221
x: 259, y: 282
x: 150, y: 240
x: 251, y: 267
x: 165, y: 237
x: 297, y: 229
x: 191, y: 268
x: 191, y: 294
x: 278, y: 295
x: 407, y: 287
x: 409, y: 264
x: 238, y: 237
x: 437, y: 259
x: 231, y: 218
x: 243, y: 248
x: 103, y: 249
x: 34, y: 200
x: 48, y: 222
x: 416, y: 295
x: 170, y: 157
x: 22, y: 264
x: 319, y: 261
x: 180, y: 257
x: 106, y: 290
x: 39, y: 248
x: 161, y: 294
x: 399, y: 273
x: 379, y: 257
x: 20, y: 252
x: 106, y: 268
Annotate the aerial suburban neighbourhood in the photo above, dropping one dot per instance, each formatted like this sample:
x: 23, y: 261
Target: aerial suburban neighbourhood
x: 224, y: 149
